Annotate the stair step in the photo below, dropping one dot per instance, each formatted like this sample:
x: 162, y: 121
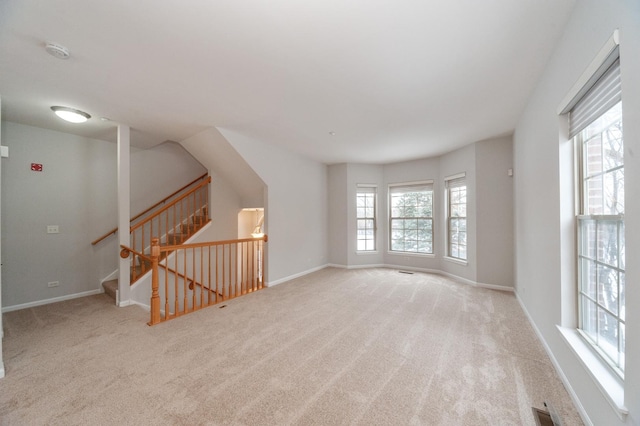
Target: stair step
x: 110, y: 288
x: 176, y: 239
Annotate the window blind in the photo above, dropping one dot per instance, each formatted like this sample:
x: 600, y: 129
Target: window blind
x: 455, y: 180
x: 605, y: 93
x: 415, y: 187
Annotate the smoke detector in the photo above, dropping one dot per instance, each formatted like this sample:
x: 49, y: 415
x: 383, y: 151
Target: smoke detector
x: 57, y: 51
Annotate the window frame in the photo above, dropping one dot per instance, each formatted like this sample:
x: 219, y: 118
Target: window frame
x: 584, y: 297
x: 451, y: 183
x: 397, y: 188
x: 366, y: 189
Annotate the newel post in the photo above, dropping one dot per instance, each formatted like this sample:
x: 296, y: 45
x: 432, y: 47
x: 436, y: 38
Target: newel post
x: 155, y: 296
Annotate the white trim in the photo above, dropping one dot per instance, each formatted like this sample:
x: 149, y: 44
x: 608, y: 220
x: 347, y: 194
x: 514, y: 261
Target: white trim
x: 456, y: 176
x: 605, y: 57
x: 496, y: 287
x: 53, y: 300
x: 413, y: 183
x: 456, y: 260
x: 411, y: 253
x: 366, y: 185
x: 398, y: 267
x: 294, y: 276
x: 112, y: 276
x: 142, y: 305
x: 366, y: 252
x: 1, y: 370
x: 567, y: 384
x: 606, y: 381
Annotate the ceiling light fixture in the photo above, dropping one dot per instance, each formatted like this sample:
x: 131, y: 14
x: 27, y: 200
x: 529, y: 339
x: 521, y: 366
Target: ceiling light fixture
x: 70, y: 114
x: 57, y: 51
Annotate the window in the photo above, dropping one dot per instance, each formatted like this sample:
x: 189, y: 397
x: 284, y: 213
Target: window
x: 595, y: 123
x: 456, y: 213
x: 366, y: 218
x: 411, y: 218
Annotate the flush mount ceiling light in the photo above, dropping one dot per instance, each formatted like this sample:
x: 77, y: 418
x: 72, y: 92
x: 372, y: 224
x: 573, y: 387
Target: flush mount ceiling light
x: 57, y: 51
x: 70, y: 114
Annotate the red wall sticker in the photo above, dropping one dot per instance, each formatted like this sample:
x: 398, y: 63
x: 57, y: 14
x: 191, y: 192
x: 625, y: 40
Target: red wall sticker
x: 36, y: 167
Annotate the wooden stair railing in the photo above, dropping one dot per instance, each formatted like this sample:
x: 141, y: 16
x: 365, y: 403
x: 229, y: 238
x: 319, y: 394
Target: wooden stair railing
x: 139, y: 215
x: 173, y: 224
x: 202, y: 274
x: 125, y: 252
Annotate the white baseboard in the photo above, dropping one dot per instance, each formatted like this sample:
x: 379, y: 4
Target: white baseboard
x: 399, y: 267
x: 111, y: 276
x: 53, y: 300
x: 294, y: 276
x: 574, y: 397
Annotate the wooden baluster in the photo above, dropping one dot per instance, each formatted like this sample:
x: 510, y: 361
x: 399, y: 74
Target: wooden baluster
x: 176, y: 303
x: 217, y: 279
x: 166, y: 291
x: 155, y: 296
x: 193, y: 277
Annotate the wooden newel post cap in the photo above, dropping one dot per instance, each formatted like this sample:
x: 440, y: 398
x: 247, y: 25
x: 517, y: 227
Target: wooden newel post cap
x: 155, y: 247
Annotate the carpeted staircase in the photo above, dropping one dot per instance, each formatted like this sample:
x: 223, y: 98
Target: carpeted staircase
x: 187, y: 230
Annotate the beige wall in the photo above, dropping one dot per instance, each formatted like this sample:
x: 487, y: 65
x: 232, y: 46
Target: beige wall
x: 76, y: 191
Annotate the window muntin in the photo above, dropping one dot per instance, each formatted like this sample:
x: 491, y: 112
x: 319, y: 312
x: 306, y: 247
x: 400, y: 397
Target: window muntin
x: 366, y: 218
x: 456, y: 196
x: 601, y: 253
x: 411, y: 218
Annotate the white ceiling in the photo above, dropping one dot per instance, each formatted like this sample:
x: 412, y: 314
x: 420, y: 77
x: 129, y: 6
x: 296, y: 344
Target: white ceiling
x: 394, y: 79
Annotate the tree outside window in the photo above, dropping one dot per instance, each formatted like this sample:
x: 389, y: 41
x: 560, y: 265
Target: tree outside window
x: 411, y: 218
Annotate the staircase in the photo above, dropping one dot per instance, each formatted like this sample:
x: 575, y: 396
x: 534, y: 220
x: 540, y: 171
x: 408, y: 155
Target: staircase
x: 140, y: 266
x: 172, y: 220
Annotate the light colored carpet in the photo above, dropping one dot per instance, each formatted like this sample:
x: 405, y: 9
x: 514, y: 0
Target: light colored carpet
x: 370, y: 347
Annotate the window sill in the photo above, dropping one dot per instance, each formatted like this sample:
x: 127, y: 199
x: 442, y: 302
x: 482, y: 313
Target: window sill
x: 454, y: 260
x: 607, y: 381
x: 366, y: 252
x: 410, y: 254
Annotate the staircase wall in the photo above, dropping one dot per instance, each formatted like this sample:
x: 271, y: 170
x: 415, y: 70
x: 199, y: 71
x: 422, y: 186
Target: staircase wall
x: 76, y: 191
x: 296, y: 214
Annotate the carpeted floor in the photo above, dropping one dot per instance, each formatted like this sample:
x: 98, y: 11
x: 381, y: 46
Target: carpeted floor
x: 369, y: 347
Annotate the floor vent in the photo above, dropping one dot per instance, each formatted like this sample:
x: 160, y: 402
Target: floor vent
x: 406, y: 272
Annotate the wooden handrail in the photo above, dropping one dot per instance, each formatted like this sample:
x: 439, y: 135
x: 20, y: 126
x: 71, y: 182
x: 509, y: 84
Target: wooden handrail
x: 226, y: 269
x: 168, y: 197
x: 212, y: 243
x: 171, y: 204
x: 114, y: 230
x: 126, y: 252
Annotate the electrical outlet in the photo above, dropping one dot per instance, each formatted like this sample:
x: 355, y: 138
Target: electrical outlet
x: 52, y: 229
x: 53, y: 284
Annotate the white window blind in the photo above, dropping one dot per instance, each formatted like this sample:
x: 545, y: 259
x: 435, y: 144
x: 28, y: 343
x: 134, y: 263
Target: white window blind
x: 605, y: 93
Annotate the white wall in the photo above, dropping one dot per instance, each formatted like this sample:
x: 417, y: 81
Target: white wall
x: 413, y: 171
x: 365, y: 174
x: 338, y: 214
x: 459, y: 161
x: 489, y: 217
x: 1, y: 329
x: 296, y: 218
x: 77, y: 192
x: 494, y: 212
x: 543, y: 271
